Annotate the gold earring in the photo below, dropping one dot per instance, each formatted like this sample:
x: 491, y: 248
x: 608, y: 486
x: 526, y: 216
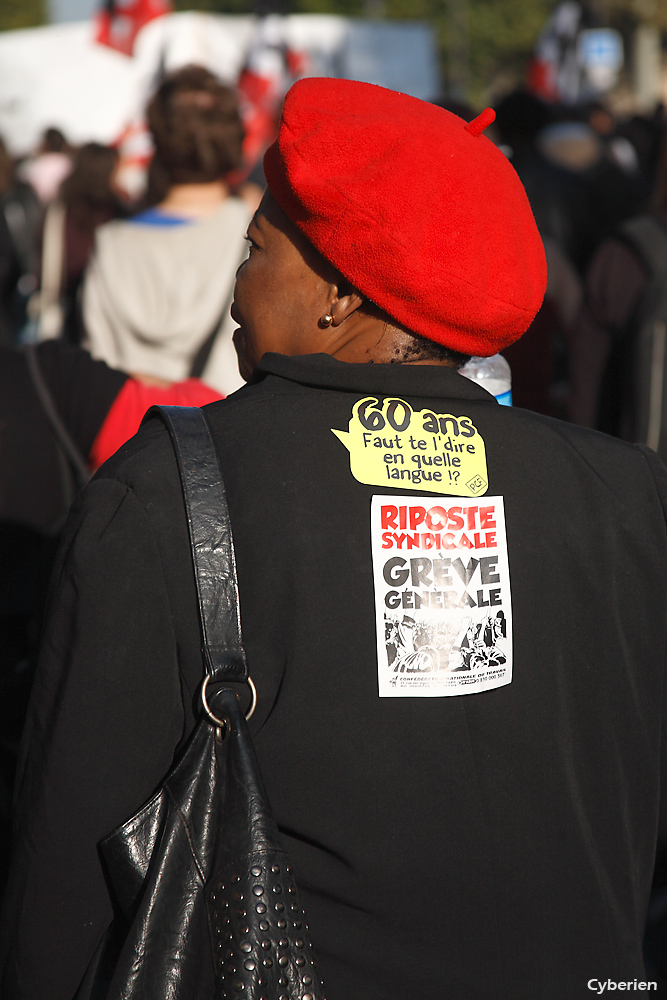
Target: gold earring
x: 326, y: 320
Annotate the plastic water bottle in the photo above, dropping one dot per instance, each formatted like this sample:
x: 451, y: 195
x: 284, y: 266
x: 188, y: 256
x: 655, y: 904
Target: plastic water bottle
x: 493, y: 374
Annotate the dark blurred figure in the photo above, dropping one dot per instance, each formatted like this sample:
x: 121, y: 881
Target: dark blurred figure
x: 616, y: 375
x: 646, y: 134
x: 561, y: 209
x: 61, y: 415
x: 20, y: 212
x: 619, y: 147
x: 87, y: 199
x: 581, y: 182
x: 606, y: 164
x: 557, y: 196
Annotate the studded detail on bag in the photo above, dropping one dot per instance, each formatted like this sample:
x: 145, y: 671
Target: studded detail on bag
x: 259, y: 931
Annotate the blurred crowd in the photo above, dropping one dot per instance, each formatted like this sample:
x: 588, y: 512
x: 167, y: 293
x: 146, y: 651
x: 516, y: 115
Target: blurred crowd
x: 586, y: 175
x: 107, y: 307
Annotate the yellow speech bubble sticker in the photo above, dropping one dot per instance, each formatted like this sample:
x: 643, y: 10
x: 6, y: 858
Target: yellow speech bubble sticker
x: 390, y: 443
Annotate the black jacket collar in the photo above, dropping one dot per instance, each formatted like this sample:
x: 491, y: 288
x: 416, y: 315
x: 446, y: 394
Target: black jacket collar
x: 322, y: 370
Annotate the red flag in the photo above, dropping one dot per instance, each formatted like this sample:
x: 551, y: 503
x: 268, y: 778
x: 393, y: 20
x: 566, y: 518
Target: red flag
x: 120, y: 21
x: 271, y: 67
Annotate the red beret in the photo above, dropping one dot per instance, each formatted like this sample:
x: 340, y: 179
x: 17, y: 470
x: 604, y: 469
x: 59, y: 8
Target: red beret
x: 424, y: 215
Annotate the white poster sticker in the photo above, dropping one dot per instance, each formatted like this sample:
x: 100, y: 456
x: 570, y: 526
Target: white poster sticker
x: 442, y: 595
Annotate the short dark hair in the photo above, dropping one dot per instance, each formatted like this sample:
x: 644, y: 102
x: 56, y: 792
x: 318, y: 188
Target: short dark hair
x: 196, y: 127
x: 53, y: 141
x: 87, y: 192
x: 418, y: 348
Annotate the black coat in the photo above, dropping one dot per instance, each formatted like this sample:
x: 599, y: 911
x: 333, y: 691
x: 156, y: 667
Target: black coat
x: 478, y: 847
x: 36, y: 488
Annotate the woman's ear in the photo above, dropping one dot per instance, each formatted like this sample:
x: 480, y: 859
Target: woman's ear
x: 344, y: 305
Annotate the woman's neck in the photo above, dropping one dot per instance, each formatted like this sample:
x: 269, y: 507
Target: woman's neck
x: 195, y: 200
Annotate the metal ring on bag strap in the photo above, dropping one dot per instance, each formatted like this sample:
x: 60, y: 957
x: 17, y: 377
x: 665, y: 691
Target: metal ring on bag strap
x: 222, y: 723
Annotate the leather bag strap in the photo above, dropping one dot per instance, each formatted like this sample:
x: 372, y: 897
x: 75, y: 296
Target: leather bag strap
x: 210, y: 540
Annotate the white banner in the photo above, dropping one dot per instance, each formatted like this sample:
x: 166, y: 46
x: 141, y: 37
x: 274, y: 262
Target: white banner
x: 57, y: 75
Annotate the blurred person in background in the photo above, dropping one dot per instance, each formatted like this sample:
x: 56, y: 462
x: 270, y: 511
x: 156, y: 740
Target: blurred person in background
x: 646, y: 135
x: 579, y: 191
x: 50, y: 165
x: 615, y: 187
x: 157, y: 294
x: 86, y: 200
x: 618, y: 147
x: 557, y: 196
x: 20, y: 212
x: 61, y: 415
x: 614, y: 330
x: 560, y: 205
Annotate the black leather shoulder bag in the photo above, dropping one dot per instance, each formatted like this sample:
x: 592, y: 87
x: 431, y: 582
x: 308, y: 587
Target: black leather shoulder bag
x: 207, y: 903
